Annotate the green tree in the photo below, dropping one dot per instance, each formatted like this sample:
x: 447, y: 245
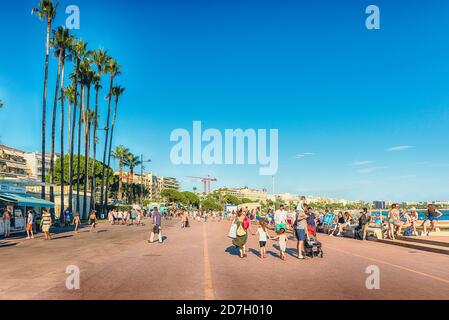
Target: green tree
x: 78, y: 53
x: 99, y: 58
x: 113, y: 69
x: 45, y: 11
x: 209, y: 204
x: 230, y: 199
x: 120, y: 153
x: 62, y: 43
x: 192, y: 198
x: 246, y: 200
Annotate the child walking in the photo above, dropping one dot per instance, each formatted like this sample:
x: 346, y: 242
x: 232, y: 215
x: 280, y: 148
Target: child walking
x: 263, y: 237
x: 282, y: 238
x: 77, y: 221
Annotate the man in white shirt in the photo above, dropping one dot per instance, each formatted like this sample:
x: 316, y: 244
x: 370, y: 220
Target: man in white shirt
x: 280, y: 218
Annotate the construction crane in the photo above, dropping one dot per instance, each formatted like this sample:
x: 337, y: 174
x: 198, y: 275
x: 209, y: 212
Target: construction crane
x: 206, y: 182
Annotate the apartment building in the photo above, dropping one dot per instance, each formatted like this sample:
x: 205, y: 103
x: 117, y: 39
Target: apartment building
x: 12, y: 163
x: 252, y: 194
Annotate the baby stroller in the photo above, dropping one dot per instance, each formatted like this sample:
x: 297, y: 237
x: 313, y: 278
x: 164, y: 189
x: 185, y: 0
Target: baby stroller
x: 313, y: 248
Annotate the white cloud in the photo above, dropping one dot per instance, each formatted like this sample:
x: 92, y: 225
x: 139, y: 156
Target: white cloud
x: 399, y: 148
x: 302, y: 155
x: 371, y: 169
x: 362, y: 163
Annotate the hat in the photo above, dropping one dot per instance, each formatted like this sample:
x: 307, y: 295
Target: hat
x: 413, y: 209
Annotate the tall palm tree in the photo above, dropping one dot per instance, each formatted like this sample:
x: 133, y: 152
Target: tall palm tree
x: 113, y: 69
x: 78, y: 50
x: 87, y: 80
x: 45, y: 11
x: 84, y: 75
x: 116, y: 92
x: 120, y: 153
x: 132, y: 161
x: 100, y: 59
x: 61, y: 42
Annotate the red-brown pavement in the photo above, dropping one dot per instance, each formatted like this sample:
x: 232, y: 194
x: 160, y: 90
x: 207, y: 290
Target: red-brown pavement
x: 200, y: 262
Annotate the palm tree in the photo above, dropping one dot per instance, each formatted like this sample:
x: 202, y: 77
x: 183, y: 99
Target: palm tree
x: 100, y: 59
x: 45, y: 11
x: 79, y: 50
x: 69, y: 94
x: 87, y: 80
x: 116, y: 92
x: 120, y: 153
x: 61, y: 42
x: 113, y: 69
x: 132, y: 161
x: 85, y: 75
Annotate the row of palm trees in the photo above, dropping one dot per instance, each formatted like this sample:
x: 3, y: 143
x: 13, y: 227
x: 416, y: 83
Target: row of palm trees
x: 88, y: 67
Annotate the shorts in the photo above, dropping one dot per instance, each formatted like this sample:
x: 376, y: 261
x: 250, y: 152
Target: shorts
x: 301, y: 234
x: 262, y: 244
x: 29, y: 227
x: 280, y: 226
x: 430, y: 218
x: 46, y: 228
x: 311, y: 230
x: 7, y: 226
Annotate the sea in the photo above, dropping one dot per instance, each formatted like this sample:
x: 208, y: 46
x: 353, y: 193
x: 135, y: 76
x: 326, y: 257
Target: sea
x: 445, y: 213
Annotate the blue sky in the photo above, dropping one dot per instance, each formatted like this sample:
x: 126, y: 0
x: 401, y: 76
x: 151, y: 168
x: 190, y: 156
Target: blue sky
x: 311, y: 69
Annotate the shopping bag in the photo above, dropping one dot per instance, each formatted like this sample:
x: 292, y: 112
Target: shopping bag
x: 233, y: 231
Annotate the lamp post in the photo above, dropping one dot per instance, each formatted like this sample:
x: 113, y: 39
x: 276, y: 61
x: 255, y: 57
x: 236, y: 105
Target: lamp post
x: 141, y: 177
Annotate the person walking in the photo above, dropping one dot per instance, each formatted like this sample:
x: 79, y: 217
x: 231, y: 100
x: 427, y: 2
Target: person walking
x: 300, y: 226
x: 77, y: 221
x: 262, y: 231
x: 242, y: 222
x: 157, y: 229
x: 46, y: 223
x: 92, y: 220
x: 280, y: 218
x: 29, y: 225
x: 6, y: 223
x: 282, y: 239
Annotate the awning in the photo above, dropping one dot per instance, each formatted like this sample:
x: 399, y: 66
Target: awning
x: 25, y: 200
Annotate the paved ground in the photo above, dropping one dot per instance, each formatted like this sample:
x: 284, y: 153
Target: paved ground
x: 200, y: 263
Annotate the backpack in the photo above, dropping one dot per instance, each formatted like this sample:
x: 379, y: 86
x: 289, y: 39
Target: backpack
x: 246, y: 223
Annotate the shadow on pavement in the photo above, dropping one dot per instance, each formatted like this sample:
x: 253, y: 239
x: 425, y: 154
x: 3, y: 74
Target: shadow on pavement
x: 255, y: 252
x: 62, y: 237
x: 232, y: 250
x: 289, y: 251
x: 7, y: 244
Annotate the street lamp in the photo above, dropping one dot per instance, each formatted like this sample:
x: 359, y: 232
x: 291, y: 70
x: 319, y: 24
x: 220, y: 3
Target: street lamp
x: 141, y: 177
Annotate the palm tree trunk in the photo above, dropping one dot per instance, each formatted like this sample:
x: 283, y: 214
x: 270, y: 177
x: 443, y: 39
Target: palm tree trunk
x: 79, y: 151
x: 62, y: 137
x: 120, y: 177
x: 72, y: 144
x: 44, y: 106
x: 103, y: 178
x: 53, y: 132
x: 110, y: 144
x: 94, y: 186
x: 86, y: 151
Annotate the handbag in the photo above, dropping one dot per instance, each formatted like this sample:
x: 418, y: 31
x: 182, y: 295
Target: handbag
x: 240, y: 231
x: 233, y: 231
